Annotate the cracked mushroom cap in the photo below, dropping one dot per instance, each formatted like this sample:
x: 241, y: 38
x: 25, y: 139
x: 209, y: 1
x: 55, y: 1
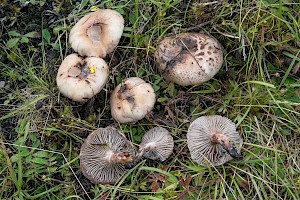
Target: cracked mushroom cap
x: 213, y: 140
x: 190, y: 58
x: 80, y: 79
x: 104, y: 155
x: 97, y: 33
x: 157, y: 144
x: 132, y: 100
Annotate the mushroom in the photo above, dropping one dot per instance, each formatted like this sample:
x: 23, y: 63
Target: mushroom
x: 189, y: 59
x: 213, y: 140
x: 104, y: 155
x: 97, y: 33
x: 80, y: 79
x: 157, y: 144
x: 132, y: 100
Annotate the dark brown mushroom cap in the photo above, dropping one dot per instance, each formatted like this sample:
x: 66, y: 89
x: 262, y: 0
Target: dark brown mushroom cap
x: 97, y: 152
x: 190, y: 58
x: 199, y: 139
x: 157, y: 144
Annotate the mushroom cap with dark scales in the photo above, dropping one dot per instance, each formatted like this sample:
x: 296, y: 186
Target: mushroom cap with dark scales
x: 96, y: 155
x: 80, y: 79
x: 132, y: 100
x: 157, y: 144
x: 97, y: 33
x: 190, y: 58
x: 199, y: 139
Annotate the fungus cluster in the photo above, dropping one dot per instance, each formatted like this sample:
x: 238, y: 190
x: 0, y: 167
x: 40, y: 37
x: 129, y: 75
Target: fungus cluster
x: 187, y: 59
x: 93, y: 36
x: 106, y: 154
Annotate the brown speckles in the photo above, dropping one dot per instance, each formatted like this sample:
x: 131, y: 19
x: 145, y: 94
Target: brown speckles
x: 191, y: 62
x: 123, y: 88
x: 203, y: 45
x: 87, y: 81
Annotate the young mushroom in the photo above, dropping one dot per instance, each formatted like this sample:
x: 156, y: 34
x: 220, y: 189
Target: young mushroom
x: 213, y: 140
x: 80, y: 79
x: 132, y: 100
x: 97, y: 33
x: 157, y: 144
x: 104, y: 155
x: 190, y: 58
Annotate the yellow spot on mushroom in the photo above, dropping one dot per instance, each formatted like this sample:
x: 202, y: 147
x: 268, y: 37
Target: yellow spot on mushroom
x: 92, y: 70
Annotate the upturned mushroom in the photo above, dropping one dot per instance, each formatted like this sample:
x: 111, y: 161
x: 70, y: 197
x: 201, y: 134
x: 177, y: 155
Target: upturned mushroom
x: 104, y: 155
x: 97, y: 33
x: 80, y: 79
x: 132, y: 100
x: 190, y: 58
x: 213, y: 140
x: 157, y: 144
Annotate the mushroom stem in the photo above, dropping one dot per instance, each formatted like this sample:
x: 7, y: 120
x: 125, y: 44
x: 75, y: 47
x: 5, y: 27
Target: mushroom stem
x: 120, y: 158
x: 140, y: 154
x: 224, y: 141
x: 138, y: 157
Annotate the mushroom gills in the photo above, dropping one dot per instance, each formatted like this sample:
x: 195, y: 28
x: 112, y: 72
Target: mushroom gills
x: 224, y: 141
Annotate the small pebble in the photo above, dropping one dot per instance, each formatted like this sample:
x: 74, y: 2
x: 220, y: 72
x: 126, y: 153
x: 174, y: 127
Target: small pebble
x: 2, y: 84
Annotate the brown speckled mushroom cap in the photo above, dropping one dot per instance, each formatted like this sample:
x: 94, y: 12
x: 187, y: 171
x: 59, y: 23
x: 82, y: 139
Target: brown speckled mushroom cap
x: 190, y: 58
x: 97, y: 33
x: 80, y: 79
x: 157, y: 144
x: 104, y: 154
x: 132, y: 100
x: 213, y: 140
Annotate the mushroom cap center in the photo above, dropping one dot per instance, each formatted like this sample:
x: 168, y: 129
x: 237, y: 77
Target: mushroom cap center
x: 80, y: 70
x: 74, y: 71
x: 94, y: 32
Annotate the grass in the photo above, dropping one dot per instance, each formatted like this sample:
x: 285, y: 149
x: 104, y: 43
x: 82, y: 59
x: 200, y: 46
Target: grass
x: 258, y: 88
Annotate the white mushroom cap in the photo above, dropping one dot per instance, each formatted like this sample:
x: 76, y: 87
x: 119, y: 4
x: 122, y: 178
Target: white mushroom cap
x: 97, y: 33
x: 213, y: 140
x: 132, y: 100
x: 80, y: 79
x: 157, y: 144
x: 189, y: 59
x: 104, y: 154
